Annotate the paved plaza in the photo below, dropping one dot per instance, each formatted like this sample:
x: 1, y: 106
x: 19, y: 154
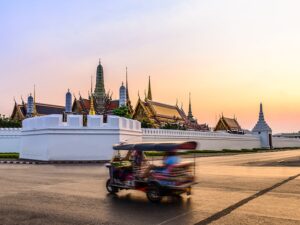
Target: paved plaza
x: 260, y: 188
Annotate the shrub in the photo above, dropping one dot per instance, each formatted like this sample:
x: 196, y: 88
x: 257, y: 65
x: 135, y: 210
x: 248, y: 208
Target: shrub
x: 9, y: 155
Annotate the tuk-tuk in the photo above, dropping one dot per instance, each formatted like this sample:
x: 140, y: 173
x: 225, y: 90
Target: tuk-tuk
x: 130, y: 169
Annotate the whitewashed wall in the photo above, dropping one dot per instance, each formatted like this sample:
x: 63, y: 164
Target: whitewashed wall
x: 48, y: 138
x: 206, y: 140
x: 10, y: 139
x: 281, y: 142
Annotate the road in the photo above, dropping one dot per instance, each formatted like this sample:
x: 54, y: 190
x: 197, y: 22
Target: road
x: 260, y: 188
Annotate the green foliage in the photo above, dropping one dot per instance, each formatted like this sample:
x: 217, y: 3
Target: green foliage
x: 9, y: 155
x: 286, y: 148
x: 146, y: 123
x: 8, y: 123
x: 173, y: 126
x: 122, y: 112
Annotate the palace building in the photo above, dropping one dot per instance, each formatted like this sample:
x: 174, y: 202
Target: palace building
x: 229, y: 125
x: 98, y: 102
x: 32, y: 108
x: 155, y: 114
x: 101, y: 101
x: 158, y: 114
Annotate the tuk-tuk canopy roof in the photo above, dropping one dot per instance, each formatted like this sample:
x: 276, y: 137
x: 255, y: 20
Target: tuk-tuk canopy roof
x: 190, y: 145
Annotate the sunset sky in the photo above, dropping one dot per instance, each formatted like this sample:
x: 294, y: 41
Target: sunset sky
x: 231, y: 55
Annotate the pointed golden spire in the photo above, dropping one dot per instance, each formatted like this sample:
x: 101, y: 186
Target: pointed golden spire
x: 149, y: 97
x: 34, y: 103
x: 146, y: 97
x: 91, y: 85
x: 92, y: 108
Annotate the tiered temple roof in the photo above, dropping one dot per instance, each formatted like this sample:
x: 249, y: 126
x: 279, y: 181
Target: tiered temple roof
x: 230, y: 125
x: 20, y: 110
x: 158, y: 113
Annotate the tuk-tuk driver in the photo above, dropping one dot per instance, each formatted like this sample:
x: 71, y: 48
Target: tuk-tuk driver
x: 170, y: 159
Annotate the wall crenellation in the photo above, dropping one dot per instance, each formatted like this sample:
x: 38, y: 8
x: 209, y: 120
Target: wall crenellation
x: 76, y: 122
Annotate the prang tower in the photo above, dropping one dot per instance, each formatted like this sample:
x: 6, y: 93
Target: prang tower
x: 99, y: 92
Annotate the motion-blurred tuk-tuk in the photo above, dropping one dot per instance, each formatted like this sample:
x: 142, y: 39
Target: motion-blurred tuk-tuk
x: 130, y: 169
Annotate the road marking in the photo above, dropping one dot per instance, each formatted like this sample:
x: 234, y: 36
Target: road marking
x: 176, y: 217
x: 235, y: 206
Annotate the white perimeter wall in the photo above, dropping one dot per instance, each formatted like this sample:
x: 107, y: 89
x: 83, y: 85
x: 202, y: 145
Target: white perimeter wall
x: 48, y: 138
x: 206, y: 140
x: 10, y: 139
x: 281, y: 142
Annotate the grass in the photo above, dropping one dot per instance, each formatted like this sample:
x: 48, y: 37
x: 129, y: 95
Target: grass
x: 223, y: 151
x: 9, y: 155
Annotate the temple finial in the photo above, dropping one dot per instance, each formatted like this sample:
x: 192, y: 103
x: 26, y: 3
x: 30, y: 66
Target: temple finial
x: 91, y: 84
x: 146, y: 97
x: 34, y: 102
x: 92, y: 108
x: 127, y: 91
x: 190, y: 114
x: 149, y: 96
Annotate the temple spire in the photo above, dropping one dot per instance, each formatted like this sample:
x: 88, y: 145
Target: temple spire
x: 149, y: 96
x: 68, y: 105
x: 127, y: 91
x: 128, y: 102
x: 99, y: 93
x: 34, y: 103
x: 22, y: 100
x: 261, y: 112
x: 92, y: 108
x: 190, y: 114
x: 261, y: 125
x: 91, y: 85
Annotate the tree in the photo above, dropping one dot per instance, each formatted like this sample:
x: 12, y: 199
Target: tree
x: 173, y: 126
x: 146, y: 123
x: 9, y: 123
x: 122, y: 111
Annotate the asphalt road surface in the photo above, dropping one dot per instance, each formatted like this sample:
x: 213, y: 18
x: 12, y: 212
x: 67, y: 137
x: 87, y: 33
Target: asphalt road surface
x: 261, y: 188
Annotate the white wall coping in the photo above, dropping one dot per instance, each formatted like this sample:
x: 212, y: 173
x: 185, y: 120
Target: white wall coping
x: 188, y: 133
x: 75, y: 122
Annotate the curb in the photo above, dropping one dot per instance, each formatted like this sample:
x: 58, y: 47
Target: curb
x: 16, y: 162
x: 51, y: 162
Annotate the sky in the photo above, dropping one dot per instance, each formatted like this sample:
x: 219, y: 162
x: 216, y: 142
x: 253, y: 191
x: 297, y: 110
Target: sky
x: 231, y: 54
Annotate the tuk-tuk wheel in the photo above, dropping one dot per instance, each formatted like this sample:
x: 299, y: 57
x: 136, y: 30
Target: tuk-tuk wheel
x: 111, y: 189
x: 153, y: 194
